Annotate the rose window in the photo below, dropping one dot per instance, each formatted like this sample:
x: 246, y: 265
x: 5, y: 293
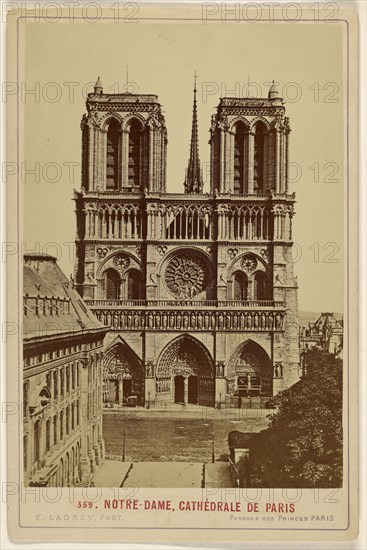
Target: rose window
x: 186, y: 276
x: 121, y: 262
x: 249, y: 262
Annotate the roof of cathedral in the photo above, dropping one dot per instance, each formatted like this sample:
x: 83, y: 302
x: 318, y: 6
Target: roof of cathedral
x: 51, y: 304
x: 99, y: 97
x: 194, y: 180
x: 328, y: 320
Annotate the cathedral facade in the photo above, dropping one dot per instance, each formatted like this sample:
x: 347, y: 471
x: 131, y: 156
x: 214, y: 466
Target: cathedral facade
x: 197, y: 287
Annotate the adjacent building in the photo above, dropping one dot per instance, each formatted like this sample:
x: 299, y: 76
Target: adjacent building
x: 62, y: 379
x: 197, y: 287
x: 325, y: 333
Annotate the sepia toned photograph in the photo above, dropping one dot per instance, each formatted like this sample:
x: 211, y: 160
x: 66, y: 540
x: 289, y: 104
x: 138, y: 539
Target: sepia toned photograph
x: 181, y: 300
x: 184, y: 263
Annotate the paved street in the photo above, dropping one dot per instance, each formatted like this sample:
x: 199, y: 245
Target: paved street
x: 170, y: 475
x: 170, y: 436
x: 218, y: 475
x: 112, y: 473
x: 177, y: 475
x: 183, y: 439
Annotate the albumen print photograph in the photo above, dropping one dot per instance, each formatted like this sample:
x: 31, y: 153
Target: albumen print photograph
x: 183, y: 263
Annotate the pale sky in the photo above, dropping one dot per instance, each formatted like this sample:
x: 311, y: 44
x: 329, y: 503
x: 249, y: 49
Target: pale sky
x: 305, y: 59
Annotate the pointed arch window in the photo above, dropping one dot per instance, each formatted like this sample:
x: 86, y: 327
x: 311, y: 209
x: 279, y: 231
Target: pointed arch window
x: 261, y: 287
x: 239, y: 159
x: 135, y: 156
x: 85, y: 152
x: 259, y: 153
x: 37, y: 440
x: 25, y: 398
x: 134, y: 286
x: 113, y: 135
x: 55, y: 428
x: 61, y: 425
x: 112, y: 284
x: 67, y: 420
x: 240, y: 286
x: 48, y: 435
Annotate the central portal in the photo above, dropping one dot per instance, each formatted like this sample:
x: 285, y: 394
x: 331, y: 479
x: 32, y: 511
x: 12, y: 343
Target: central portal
x: 185, y: 373
x: 179, y: 389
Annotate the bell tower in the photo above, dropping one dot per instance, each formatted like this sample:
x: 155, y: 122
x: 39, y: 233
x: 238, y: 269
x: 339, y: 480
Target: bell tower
x: 124, y: 153
x: 249, y: 139
x: 124, y: 143
x: 249, y: 146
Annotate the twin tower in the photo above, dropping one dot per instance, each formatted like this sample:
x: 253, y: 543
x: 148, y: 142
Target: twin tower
x: 125, y: 145
x: 197, y: 288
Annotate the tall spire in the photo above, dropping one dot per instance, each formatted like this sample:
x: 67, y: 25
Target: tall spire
x: 193, y: 180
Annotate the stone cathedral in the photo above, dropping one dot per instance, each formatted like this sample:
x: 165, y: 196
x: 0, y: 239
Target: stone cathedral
x: 197, y: 287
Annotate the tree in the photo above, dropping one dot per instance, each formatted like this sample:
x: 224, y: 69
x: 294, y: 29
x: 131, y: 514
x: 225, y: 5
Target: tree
x: 303, y: 445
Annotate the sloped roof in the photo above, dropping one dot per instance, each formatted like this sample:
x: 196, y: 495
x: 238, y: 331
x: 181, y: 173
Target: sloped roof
x: 329, y: 321
x: 44, y: 281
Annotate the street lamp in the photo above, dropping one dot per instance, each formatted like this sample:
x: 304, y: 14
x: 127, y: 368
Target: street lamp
x: 123, y: 445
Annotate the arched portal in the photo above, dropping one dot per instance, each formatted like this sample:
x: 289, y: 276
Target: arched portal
x: 185, y: 373
x: 123, y: 375
x: 250, y: 371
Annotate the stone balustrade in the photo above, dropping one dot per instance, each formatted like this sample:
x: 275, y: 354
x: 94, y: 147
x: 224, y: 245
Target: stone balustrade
x: 258, y: 304
x: 192, y: 320
x: 45, y: 305
x: 249, y: 218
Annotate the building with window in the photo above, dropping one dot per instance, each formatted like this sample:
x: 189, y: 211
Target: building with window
x: 197, y: 287
x: 325, y: 333
x: 62, y: 379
